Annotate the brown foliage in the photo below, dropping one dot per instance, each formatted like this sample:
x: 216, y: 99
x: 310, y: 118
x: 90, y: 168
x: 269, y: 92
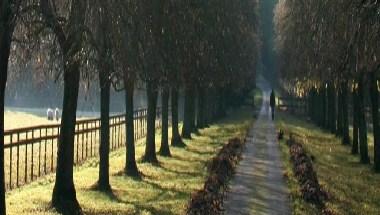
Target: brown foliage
x: 209, y: 200
x: 303, y: 170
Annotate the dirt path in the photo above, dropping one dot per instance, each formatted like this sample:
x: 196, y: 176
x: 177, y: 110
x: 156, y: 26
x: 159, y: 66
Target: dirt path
x: 258, y: 186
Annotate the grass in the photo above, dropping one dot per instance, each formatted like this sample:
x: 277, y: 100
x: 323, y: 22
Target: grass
x: 13, y: 120
x: 164, y: 189
x: 353, y: 186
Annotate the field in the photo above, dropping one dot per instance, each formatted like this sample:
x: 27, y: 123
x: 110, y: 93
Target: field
x: 19, y: 120
x: 163, y: 189
x: 353, y: 186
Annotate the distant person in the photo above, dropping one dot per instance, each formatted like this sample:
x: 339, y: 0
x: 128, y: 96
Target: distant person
x: 57, y: 114
x: 272, y: 102
x: 49, y: 114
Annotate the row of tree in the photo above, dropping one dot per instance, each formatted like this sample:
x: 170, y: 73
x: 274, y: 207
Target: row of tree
x: 208, y: 49
x: 330, y: 54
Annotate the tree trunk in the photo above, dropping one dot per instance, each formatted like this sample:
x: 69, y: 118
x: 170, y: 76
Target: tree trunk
x: 3, y: 77
x: 70, y: 43
x: 130, y: 160
x: 64, y: 194
x: 375, y: 120
x: 165, y: 150
x: 213, y: 106
x: 331, y: 108
x: 221, y: 108
x: 324, y: 117
x: 355, y: 131
x: 187, y: 118
x: 318, y: 109
x: 206, y: 111
x: 339, y: 130
x: 176, y: 138
x: 363, y: 144
x: 5, y: 45
x: 104, y: 148
x: 192, y: 106
x: 150, y: 149
x: 201, y: 108
x: 311, y: 104
x: 345, y: 121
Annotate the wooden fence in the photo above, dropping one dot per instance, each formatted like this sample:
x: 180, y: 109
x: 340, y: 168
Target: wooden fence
x: 32, y: 152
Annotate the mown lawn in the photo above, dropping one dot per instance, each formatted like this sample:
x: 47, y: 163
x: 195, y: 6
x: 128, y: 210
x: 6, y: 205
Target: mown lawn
x: 354, y: 187
x: 163, y: 189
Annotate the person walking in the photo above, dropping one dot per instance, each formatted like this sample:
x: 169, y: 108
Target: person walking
x: 272, y: 102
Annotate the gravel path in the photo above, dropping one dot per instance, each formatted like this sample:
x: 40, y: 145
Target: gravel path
x: 258, y: 186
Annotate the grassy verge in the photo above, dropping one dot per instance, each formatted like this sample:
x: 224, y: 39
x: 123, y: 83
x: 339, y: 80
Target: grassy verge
x: 164, y: 189
x: 354, y: 187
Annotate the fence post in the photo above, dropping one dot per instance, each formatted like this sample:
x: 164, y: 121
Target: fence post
x: 91, y: 133
x: 82, y: 142
x: 32, y: 164
x: 10, y: 164
x: 18, y: 160
x: 26, y: 160
x: 52, y: 151
x: 45, y: 152
x: 39, y: 155
x: 77, y: 144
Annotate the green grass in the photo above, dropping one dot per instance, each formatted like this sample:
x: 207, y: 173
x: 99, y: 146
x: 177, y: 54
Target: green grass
x: 164, y: 189
x: 354, y: 187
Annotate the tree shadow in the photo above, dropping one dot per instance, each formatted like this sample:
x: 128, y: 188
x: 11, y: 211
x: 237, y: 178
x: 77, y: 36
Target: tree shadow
x: 187, y: 173
x: 122, y: 173
x: 140, y: 206
x: 195, y: 158
x: 195, y: 151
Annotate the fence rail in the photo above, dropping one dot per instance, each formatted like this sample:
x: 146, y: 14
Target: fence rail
x: 32, y: 152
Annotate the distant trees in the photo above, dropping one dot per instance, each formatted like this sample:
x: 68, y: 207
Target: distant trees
x: 330, y: 48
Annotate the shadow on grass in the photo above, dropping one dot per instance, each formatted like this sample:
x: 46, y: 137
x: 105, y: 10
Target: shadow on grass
x: 191, y: 158
x: 198, y: 152
x: 136, y: 178
x: 182, y: 173
x: 115, y: 195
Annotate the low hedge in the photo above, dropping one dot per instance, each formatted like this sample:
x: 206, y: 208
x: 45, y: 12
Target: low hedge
x: 221, y: 168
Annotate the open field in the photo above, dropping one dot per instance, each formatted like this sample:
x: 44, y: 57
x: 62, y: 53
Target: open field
x: 19, y: 120
x: 164, y: 189
x: 353, y: 186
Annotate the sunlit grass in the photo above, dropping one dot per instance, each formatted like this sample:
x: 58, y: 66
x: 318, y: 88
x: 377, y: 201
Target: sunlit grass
x: 354, y: 187
x: 164, y: 189
x: 14, y: 120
